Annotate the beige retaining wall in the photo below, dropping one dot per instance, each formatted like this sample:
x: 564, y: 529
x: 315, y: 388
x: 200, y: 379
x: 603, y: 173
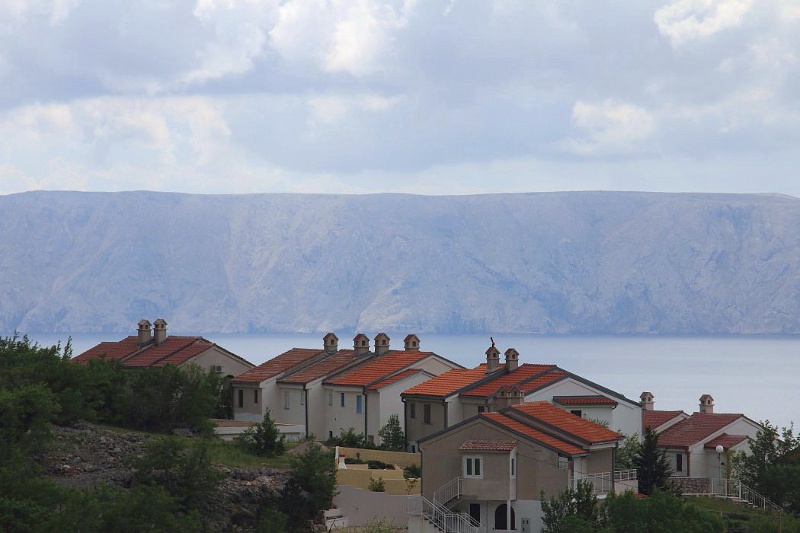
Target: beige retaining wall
x: 401, y: 459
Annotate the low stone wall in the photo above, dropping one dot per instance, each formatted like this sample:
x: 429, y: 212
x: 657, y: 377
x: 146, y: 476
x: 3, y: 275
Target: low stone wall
x: 691, y: 485
x: 393, y: 480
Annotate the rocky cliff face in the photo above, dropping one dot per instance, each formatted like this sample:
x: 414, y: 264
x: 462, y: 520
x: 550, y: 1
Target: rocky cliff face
x: 592, y: 262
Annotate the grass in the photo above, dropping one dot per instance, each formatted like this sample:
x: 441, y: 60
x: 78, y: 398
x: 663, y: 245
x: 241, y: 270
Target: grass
x: 744, y: 518
x: 227, y: 453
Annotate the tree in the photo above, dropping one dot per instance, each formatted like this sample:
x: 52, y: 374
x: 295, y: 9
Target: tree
x: 659, y: 512
x: 772, y: 467
x: 263, y: 438
x: 652, y: 468
x: 572, y: 510
x: 310, y: 488
x: 625, y: 453
x: 392, y: 436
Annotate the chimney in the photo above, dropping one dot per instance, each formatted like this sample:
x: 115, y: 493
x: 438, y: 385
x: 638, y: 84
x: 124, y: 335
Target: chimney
x: 145, y: 333
x: 512, y: 359
x: 706, y: 403
x: 160, y: 330
x: 381, y: 343
x: 361, y: 344
x: 330, y: 343
x: 492, y: 359
x: 411, y: 343
x: 507, y: 397
x: 648, y: 400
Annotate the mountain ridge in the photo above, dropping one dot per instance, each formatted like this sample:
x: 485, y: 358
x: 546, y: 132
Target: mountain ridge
x: 560, y: 262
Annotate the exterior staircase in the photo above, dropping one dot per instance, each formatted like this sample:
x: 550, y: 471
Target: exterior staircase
x: 737, y: 492
x: 436, y: 517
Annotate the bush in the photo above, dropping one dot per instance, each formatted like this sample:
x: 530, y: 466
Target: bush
x: 310, y: 488
x: 379, y: 465
x: 412, y: 471
x: 262, y: 439
x: 377, y: 485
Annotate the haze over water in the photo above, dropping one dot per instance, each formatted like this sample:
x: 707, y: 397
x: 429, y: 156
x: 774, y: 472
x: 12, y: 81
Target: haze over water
x: 754, y: 375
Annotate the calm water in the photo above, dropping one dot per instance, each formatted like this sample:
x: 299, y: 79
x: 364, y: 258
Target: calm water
x: 757, y: 376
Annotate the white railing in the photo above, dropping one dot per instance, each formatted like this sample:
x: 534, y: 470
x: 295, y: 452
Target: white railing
x: 442, y: 517
x: 625, y: 475
x: 734, y: 489
x: 447, y: 492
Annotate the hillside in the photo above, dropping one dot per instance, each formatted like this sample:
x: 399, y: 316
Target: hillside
x: 593, y: 262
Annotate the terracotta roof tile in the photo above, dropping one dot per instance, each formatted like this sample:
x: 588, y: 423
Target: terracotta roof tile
x: 584, y: 400
x: 653, y: 419
x: 155, y: 354
x: 109, y: 350
x: 519, y: 377
x: 726, y: 441
x: 556, y: 417
x: 279, y: 364
x: 695, y: 429
x: 487, y: 446
x: 534, y: 434
x: 394, y: 379
x: 448, y: 383
x: 321, y: 368
x: 183, y: 355
x: 377, y: 368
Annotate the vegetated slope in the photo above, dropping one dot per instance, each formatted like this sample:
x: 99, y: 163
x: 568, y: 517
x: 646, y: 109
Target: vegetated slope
x: 577, y: 262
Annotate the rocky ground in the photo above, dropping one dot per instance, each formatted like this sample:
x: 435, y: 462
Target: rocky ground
x: 86, y: 456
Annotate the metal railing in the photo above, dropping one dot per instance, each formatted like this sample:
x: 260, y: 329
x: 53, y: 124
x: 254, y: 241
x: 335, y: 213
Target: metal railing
x: 447, y: 492
x: 734, y: 489
x: 625, y: 475
x: 442, y: 517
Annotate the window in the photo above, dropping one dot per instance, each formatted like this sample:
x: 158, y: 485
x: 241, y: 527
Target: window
x: 302, y: 397
x: 412, y: 410
x: 513, y: 467
x: 287, y: 399
x: 481, y: 408
x: 341, y: 399
x: 330, y: 397
x: 358, y: 403
x: 255, y: 396
x: 679, y: 462
x: 241, y: 398
x: 426, y: 413
x: 472, y: 467
x: 577, y: 412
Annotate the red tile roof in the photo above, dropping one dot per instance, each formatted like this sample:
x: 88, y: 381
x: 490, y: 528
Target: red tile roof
x: 584, y: 400
x: 519, y: 377
x: 560, y: 419
x: 487, y: 446
x: 522, y: 428
x: 171, y: 348
x: 279, y: 364
x: 175, y: 350
x: 726, y: 441
x: 695, y: 429
x: 653, y: 419
x: 448, y: 383
x: 321, y: 368
x: 109, y: 350
x: 377, y: 368
x: 394, y: 379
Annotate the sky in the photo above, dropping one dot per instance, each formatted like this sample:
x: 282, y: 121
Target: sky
x: 413, y: 96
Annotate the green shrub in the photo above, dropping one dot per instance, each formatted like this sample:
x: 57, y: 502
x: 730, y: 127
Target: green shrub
x: 262, y: 439
x: 377, y: 485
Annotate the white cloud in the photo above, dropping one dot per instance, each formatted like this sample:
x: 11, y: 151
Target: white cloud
x: 686, y: 20
x: 349, y: 36
x: 610, y: 128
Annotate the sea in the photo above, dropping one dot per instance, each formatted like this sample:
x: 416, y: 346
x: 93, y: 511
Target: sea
x: 758, y: 376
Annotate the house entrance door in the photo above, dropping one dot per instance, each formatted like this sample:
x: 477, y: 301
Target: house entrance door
x: 475, y: 512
